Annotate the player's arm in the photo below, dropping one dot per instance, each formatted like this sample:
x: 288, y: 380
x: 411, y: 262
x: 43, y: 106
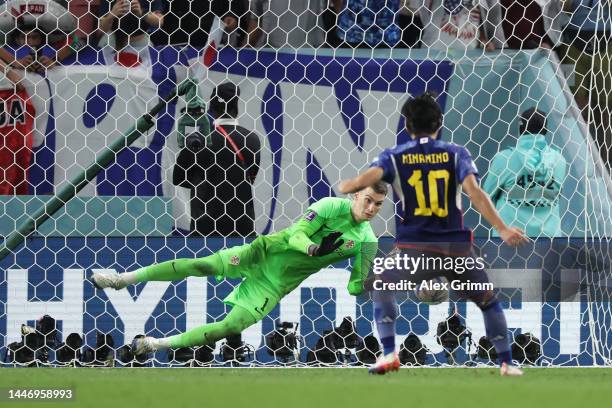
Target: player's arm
x: 312, y: 221
x: 480, y: 200
x: 365, y: 179
x: 362, y: 263
x: 381, y: 169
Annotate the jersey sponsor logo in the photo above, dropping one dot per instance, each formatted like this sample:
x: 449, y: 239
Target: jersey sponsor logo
x: 350, y: 244
x: 310, y: 215
x: 424, y: 140
x: 235, y: 260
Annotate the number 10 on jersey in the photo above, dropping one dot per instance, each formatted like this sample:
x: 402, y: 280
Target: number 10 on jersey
x: 416, y: 181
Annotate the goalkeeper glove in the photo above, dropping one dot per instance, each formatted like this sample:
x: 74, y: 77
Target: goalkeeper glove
x: 329, y: 244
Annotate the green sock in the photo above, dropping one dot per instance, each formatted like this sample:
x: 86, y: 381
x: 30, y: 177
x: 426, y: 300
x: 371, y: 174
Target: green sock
x: 180, y: 269
x: 235, y: 322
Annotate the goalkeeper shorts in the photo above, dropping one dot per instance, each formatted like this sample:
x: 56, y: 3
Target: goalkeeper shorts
x: 258, y: 296
x: 255, y: 293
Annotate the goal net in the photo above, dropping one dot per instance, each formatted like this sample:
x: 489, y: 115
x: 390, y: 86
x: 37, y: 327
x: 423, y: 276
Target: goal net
x: 77, y: 79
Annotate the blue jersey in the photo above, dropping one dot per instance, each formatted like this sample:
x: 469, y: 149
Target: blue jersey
x: 427, y: 174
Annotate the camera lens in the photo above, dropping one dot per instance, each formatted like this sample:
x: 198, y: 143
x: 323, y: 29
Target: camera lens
x: 195, y: 142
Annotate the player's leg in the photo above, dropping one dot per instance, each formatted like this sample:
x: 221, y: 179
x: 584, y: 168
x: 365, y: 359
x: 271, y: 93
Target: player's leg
x: 173, y: 270
x: 234, y: 323
x: 385, y: 316
x: 496, y: 330
x: 494, y: 319
x: 386, y: 312
x: 251, y: 300
x: 232, y: 262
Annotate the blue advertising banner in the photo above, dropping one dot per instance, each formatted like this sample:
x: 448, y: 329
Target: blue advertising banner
x: 49, y: 276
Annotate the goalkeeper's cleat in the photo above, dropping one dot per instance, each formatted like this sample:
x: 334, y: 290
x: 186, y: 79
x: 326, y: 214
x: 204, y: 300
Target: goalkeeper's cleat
x: 107, y: 280
x: 387, y: 363
x: 508, y: 370
x: 143, y: 346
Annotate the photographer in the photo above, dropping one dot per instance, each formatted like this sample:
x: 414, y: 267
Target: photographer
x: 220, y: 170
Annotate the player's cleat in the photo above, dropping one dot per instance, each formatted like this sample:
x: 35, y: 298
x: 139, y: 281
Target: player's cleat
x: 387, y: 363
x: 107, y: 280
x: 507, y: 370
x: 143, y: 345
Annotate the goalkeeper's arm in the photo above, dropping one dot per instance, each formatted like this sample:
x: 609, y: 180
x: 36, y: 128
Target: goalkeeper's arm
x: 312, y: 221
x: 362, y: 264
x: 304, y: 229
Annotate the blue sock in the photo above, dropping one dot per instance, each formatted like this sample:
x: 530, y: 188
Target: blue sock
x: 497, y: 331
x: 385, y: 315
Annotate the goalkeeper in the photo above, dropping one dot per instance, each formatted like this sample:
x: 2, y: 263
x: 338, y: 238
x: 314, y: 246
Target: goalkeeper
x: 331, y: 230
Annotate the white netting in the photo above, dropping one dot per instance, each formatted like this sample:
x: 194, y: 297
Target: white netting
x: 321, y: 89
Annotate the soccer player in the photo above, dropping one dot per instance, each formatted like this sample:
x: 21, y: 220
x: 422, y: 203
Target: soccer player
x: 427, y: 174
x: 331, y: 230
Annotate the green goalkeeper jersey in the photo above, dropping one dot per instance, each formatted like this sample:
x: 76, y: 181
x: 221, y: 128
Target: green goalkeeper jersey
x: 283, y: 256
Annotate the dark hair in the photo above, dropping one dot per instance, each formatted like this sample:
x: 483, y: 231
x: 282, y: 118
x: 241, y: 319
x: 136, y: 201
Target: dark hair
x: 532, y: 121
x: 224, y: 100
x: 423, y: 114
x: 380, y: 187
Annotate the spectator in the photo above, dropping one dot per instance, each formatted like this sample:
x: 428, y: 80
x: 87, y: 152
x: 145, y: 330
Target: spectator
x: 410, y: 25
x: 128, y: 22
x: 42, y: 37
x: 86, y: 12
x: 368, y: 23
x: 524, y: 25
x: 587, y: 36
x: 16, y: 125
x: 221, y: 171
x: 38, y: 56
x: 286, y: 23
x: 525, y: 182
x: 461, y: 24
x: 189, y: 21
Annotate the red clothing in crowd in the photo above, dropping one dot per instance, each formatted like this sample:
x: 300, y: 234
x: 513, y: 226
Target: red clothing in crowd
x: 16, y: 126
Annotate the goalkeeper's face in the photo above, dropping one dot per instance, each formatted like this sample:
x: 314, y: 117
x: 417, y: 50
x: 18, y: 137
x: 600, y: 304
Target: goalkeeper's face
x: 366, y: 204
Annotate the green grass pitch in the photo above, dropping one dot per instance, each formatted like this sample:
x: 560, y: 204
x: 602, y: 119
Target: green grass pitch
x: 313, y: 388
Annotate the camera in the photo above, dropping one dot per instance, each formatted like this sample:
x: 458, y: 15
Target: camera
x: 195, y: 142
x: 235, y: 351
x: 450, y: 334
x: 412, y: 352
x: 283, y: 342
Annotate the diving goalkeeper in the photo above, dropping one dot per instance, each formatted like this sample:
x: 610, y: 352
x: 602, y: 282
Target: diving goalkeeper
x: 331, y: 230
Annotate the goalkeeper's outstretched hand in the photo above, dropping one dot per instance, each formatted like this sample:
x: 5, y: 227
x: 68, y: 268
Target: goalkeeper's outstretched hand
x: 329, y: 244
